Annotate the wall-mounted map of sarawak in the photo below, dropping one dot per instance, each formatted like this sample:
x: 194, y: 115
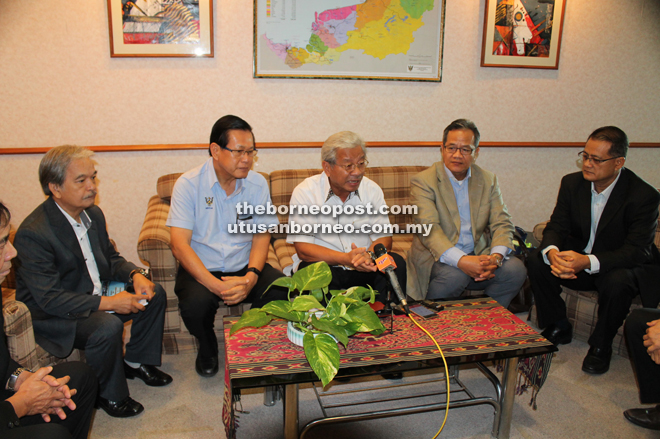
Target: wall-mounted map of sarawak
x: 382, y: 39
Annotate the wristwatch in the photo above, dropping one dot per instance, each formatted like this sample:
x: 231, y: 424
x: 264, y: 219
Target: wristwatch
x: 254, y: 270
x: 141, y: 271
x: 11, y: 382
x: 498, y: 259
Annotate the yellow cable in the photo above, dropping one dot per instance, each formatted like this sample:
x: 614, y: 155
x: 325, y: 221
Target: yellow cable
x: 446, y: 373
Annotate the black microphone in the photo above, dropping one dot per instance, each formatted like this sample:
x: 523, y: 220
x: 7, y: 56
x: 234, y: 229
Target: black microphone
x: 385, y: 264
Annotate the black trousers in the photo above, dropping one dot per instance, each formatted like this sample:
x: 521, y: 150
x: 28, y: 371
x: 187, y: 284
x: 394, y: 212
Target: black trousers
x: 100, y: 335
x: 616, y: 290
x: 77, y: 422
x: 647, y: 372
x: 199, y: 306
x: 342, y: 279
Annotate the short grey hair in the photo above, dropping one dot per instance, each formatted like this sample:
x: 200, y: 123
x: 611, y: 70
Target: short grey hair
x: 341, y: 140
x: 55, y: 163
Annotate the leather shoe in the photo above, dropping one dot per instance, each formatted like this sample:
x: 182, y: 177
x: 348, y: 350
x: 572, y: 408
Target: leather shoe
x: 206, y: 366
x: 558, y: 336
x: 149, y: 374
x: 597, y: 360
x: 123, y: 409
x: 647, y: 418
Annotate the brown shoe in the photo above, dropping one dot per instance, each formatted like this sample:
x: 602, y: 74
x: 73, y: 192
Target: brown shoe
x: 647, y: 418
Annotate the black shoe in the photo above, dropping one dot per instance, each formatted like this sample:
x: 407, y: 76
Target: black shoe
x: 124, y: 409
x: 149, y: 374
x: 647, y: 418
x: 206, y: 366
x: 392, y: 376
x: 597, y: 360
x: 558, y: 336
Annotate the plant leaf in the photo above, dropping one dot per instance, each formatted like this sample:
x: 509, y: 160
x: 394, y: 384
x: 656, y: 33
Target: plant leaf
x: 325, y: 325
x: 313, y: 277
x: 306, y: 303
x: 282, y: 309
x: 318, y: 294
x: 285, y: 281
x: 254, y: 317
x: 369, y: 321
x: 322, y: 354
x: 336, y: 309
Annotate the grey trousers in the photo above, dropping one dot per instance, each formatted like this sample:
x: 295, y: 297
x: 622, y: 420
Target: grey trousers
x: 448, y: 282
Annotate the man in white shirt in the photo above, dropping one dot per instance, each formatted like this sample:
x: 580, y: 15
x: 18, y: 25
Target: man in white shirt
x: 354, y: 220
x: 600, y: 237
x: 66, y: 261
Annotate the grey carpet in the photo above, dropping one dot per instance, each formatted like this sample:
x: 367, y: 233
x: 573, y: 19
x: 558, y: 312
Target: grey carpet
x: 572, y: 404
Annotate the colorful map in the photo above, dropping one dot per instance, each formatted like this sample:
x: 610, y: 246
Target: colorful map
x: 374, y: 38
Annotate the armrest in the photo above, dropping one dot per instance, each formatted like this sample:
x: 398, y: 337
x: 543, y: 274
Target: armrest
x: 154, y: 241
x: 20, y: 334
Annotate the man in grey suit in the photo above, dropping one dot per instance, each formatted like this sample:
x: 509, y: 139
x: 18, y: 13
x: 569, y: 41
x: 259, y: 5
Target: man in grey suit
x: 472, y: 230
x: 66, y: 262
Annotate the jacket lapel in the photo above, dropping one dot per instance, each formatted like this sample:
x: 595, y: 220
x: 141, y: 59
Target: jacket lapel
x: 584, y: 203
x: 99, y: 257
x: 65, y: 234
x: 475, y: 191
x: 615, y: 202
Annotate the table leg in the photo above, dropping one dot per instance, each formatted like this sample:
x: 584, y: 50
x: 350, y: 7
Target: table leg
x: 509, y: 379
x: 291, y: 430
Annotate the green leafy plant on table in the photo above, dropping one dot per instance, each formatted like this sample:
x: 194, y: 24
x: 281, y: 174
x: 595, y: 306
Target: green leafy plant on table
x: 346, y: 313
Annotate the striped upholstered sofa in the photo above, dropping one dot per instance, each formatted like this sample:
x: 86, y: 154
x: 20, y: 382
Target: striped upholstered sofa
x: 154, y: 239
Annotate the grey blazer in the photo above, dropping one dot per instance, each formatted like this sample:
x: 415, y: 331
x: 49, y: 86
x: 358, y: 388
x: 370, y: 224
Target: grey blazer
x: 52, y: 277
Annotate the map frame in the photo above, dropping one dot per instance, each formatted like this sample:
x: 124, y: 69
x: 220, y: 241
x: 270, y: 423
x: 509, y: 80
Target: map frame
x: 260, y: 69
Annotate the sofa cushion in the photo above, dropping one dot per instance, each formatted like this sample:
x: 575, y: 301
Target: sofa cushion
x: 395, y: 183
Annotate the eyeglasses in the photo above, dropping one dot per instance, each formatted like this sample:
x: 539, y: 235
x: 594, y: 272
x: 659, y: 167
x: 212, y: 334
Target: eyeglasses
x: 361, y: 165
x: 584, y: 157
x: 465, y: 150
x: 239, y: 153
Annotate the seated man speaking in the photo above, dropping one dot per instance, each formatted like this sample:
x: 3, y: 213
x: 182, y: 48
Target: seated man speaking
x: 344, y: 191
x: 462, y: 201
x: 215, y: 264
x: 600, y: 237
x: 66, y: 260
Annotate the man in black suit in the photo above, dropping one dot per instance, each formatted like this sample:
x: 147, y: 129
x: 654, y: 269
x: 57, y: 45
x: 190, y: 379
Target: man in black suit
x: 50, y: 403
x: 600, y: 237
x: 66, y: 264
x: 643, y: 336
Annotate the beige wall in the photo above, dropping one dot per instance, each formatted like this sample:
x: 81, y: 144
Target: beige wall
x: 59, y: 85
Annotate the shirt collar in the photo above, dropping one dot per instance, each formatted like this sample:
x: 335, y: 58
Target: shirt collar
x: 326, y: 186
x: 84, y: 219
x: 608, y: 190
x: 212, y: 179
x: 453, y: 179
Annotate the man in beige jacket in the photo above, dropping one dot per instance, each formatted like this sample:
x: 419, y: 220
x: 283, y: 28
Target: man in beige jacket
x: 472, y: 230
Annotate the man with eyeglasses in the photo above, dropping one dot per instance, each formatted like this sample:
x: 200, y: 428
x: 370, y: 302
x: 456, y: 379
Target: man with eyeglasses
x: 343, y: 186
x: 600, y: 237
x: 472, y: 231
x: 214, y: 264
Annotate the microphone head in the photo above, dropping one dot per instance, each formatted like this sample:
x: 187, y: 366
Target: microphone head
x: 379, y: 250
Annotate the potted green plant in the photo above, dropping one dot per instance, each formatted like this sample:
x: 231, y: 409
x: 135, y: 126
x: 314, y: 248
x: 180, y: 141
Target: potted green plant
x: 345, y: 313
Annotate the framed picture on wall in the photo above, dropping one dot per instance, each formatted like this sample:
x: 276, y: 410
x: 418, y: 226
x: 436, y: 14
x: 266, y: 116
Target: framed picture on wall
x: 160, y: 28
x: 522, y: 33
x: 343, y: 39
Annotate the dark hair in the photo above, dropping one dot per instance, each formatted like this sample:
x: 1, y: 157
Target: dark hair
x: 220, y: 131
x: 53, y: 165
x: 462, y: 124
x: 5, y: 216
x: 616, y: 137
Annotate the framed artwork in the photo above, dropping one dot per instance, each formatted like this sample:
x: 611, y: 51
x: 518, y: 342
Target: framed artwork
x: 522, y: 33
x: 160, y: 28
x: 349, y: 39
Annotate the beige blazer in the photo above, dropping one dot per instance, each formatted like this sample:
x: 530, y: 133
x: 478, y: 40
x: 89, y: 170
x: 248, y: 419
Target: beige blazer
x: 433, y: 195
